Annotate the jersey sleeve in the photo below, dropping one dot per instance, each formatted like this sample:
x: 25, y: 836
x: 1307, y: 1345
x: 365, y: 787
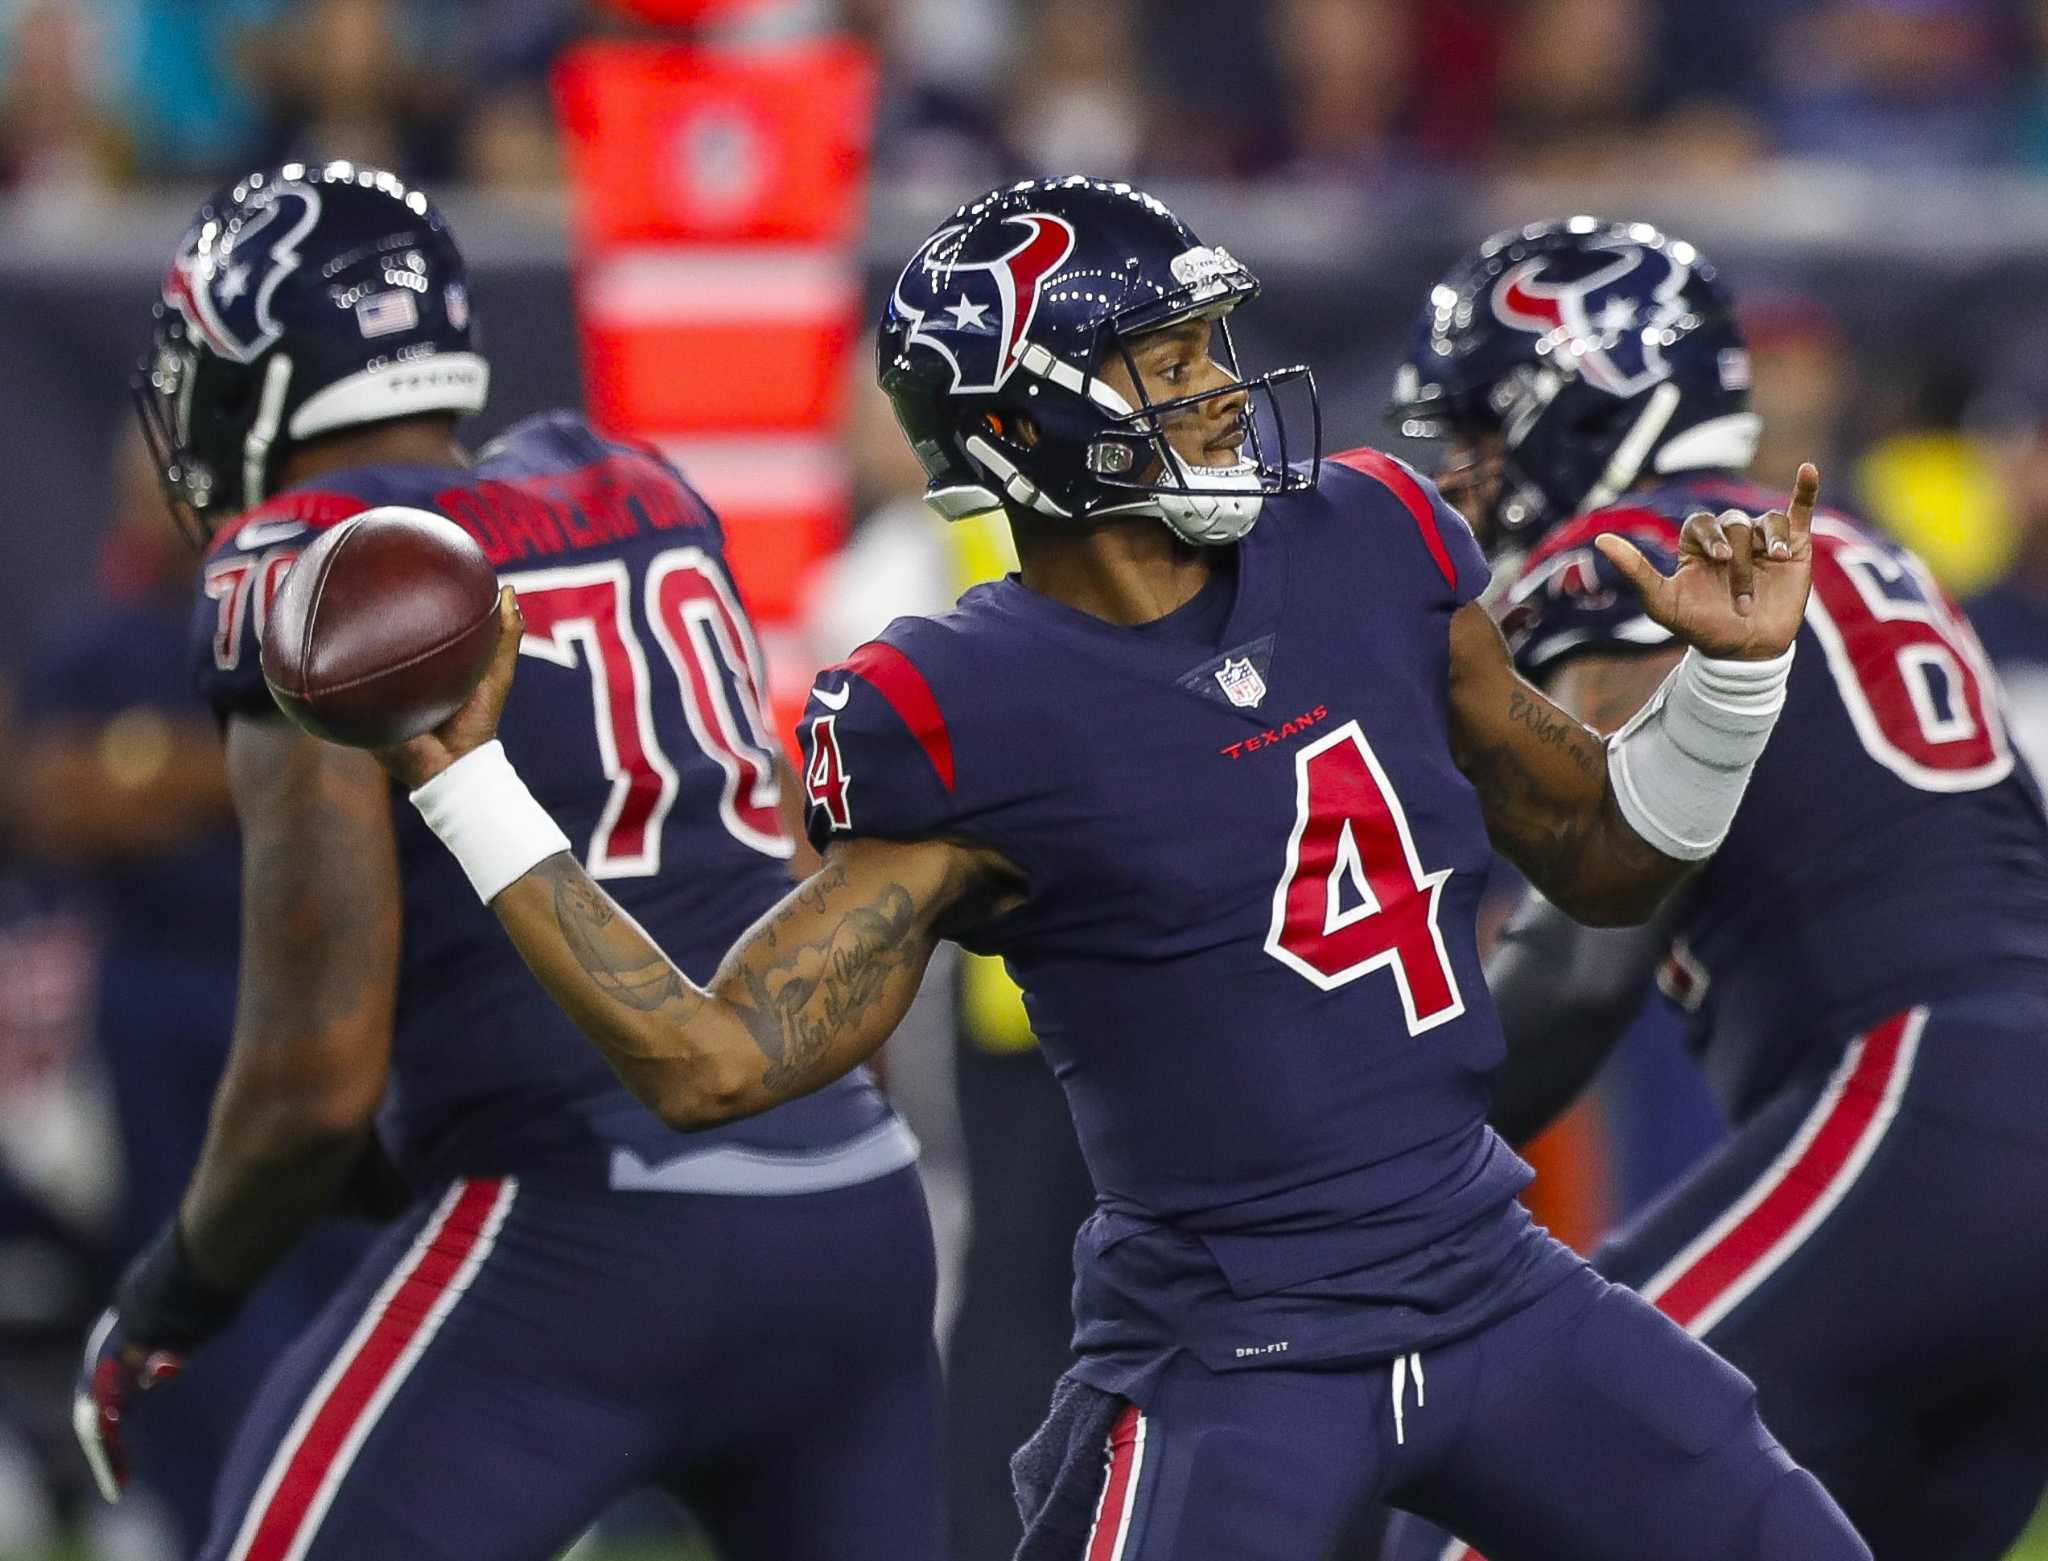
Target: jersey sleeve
x: 878, y: 754
x: 1453, y: 551
x: 1570, y: 601
x: 238, y: 581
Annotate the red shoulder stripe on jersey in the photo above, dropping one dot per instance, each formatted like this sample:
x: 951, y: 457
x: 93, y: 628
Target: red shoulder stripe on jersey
x: 1628, y: 519
x: 896, y: 678
x: 312, y: 507
x: 1386, y: 469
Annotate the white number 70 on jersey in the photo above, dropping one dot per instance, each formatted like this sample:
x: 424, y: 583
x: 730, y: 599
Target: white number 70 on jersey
x: 1353, y: 898
x: 583, y: 614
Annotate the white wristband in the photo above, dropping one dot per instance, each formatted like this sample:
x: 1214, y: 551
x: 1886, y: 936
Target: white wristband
x: 1680, y: 766
x: 483, y: 813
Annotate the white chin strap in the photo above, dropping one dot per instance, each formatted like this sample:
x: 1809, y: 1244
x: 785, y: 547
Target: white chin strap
x: 277, y: 384
x: 1222, y: 515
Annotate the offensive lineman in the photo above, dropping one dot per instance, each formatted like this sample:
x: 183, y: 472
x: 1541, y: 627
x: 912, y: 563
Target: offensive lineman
x: 1222, y: 796
x: 580, y: 1300
x: 1868, y: 1245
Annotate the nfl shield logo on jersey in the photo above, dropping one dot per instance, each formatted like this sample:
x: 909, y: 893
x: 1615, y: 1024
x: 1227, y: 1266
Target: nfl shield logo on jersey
x: 1240, y: 681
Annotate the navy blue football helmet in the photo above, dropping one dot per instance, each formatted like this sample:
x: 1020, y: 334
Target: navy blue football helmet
x: 303, y: 301
x: 1015, y: 304
x: 1598, y: 353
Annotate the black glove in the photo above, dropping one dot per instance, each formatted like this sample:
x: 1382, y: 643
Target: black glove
x: 162, y: 1311
x: 376, y: 1190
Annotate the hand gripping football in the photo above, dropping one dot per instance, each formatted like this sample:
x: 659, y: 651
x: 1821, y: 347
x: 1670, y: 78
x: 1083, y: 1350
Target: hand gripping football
x: 381, y: 629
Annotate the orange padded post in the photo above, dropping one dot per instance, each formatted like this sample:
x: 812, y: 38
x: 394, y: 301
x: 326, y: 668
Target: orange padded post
x: 718, y: 197
x: 685, y: 13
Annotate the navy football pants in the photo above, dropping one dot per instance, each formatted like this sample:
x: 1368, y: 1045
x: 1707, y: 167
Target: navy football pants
x: 516, y: 1354
x: 1872, y: 1248
x: 1584, y: 1427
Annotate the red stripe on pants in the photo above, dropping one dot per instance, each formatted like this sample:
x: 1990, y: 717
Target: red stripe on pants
x: 1117, y: 1491
x: 1798, y: 1187
x: 1802, y: 1185
x: 437, y: 1259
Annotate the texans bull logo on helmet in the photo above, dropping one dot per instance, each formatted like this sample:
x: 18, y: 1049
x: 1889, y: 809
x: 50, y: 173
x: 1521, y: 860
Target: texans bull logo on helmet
x: 301, y: 301
x: 975, y: 313
x: 1617, y: 344
x: 222, y: 281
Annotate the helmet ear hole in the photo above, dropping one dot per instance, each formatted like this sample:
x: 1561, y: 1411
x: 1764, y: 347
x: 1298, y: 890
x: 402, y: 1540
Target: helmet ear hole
x: 1604, y: 418
x: 1017, y: 428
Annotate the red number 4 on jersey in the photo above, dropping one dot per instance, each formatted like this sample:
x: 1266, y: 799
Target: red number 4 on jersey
x: 826, y: 782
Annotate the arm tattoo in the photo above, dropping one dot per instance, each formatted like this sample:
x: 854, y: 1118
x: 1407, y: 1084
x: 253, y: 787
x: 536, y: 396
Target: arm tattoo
x: 314, y: 932
x: 1564, y: 849
x: 793, y: 998
x: 629, y: 968
x: 1566, y: 736
x: 320, y: 920
x: 807, y: 995
x: 1544, y: 787
x: 1524, y: 823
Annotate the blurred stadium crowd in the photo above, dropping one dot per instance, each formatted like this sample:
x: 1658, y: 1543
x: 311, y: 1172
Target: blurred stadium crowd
x: 117, y: 852
x: 104, y: 93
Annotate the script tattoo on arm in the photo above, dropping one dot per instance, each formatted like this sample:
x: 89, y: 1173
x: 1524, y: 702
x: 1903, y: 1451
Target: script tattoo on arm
x: 1543, y: 784
x: 1553, y: 729
x: 811, y: 990
x: 800, y: 1000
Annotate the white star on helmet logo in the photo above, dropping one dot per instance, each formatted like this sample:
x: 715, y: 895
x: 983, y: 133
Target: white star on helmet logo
x: 967, y: 315
x: 1617, y: 315
x: 233, y: 283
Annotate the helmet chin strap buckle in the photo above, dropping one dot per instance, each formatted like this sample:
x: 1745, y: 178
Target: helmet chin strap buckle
x: 1111, y: 458
x: 1213, y: 518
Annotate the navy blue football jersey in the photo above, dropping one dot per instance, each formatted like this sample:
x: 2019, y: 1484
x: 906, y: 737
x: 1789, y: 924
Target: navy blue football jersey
x: 1889, y: 851
x: 636, y: 719
x: 1247, y: 943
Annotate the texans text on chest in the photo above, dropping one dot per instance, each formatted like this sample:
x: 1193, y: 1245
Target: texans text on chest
x: 1276, y: 734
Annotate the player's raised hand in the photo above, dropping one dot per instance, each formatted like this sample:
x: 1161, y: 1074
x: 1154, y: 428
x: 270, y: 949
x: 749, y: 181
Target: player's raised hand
x: 415, y: 763
x: 1740, y: 586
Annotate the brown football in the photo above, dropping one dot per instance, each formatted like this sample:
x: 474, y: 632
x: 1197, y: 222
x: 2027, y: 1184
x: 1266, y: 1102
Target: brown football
x: 381, y: 629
